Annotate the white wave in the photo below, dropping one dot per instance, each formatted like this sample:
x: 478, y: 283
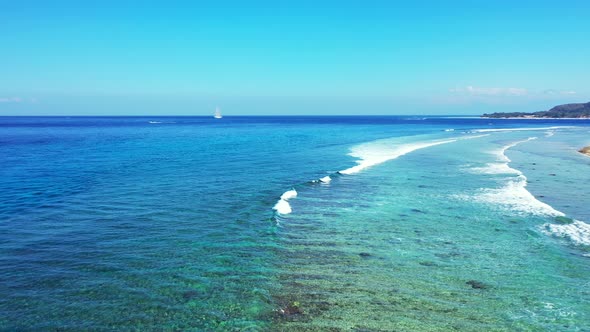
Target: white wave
x: 450, y: 129
x: 495, y: 168
x: 326, y: 179
x: 520, y: 129
x: 157, y: 122
x: 377, y: 152
x: 549, y: 133
x: 515, y: 197
x: 289, y: 194
x: 578, y: 231
x: 501, y: 153
x: 282, y: 206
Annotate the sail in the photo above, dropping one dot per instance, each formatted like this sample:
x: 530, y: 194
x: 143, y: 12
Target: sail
x: 217, y: 113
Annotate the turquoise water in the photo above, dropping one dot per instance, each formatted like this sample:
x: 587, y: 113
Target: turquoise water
x: 168, y: 224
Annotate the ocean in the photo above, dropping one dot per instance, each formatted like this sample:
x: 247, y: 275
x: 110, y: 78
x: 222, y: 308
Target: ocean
x: 399, y: 223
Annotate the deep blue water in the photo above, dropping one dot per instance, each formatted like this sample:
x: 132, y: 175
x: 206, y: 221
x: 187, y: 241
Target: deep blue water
x: 167, y: 223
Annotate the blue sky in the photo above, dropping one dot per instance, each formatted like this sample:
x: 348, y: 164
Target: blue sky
x: 292, y: 57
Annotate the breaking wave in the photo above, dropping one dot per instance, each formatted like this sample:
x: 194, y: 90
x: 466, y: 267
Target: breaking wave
x: 282, y: 206
x: 369, y: 154
x: 519, y: 129
x: 378, y: 152
x: 577, y: 231
x: 515, y: 197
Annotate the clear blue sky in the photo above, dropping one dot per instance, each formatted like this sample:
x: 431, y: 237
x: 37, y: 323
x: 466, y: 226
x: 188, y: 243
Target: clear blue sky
x: 291, y: 57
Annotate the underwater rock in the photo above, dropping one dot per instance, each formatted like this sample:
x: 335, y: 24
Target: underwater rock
x: 477, y: 284
x: 448, y: 255
x: 291, y: 309
x: 191, y: 294
x: 323, y: 305
x: 427, y: 263
x: 363, y: 329
x: 365, y: 254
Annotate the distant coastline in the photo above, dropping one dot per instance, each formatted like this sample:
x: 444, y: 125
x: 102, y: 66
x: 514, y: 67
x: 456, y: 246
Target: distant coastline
x: 566, y: 111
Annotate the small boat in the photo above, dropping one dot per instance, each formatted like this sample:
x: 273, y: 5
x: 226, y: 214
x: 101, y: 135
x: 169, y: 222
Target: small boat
x: 217, y: 113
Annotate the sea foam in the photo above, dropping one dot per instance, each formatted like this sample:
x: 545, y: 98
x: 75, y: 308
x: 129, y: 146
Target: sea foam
x: 513, y: 195
x: 501, y: 166
x: 495, y: 168
x: 282, y: 206
x: 501, y: 153
x: 520, y: 129
x: 516, y: 197
x: 578, y: 231
x: 289, y: 194
x: 378, y: 152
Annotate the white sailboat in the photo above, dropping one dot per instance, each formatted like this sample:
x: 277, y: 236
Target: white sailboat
x: 217, y: 113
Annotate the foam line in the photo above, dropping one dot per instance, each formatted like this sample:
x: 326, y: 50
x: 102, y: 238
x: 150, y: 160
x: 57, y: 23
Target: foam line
x: 495, y: 168
x: 501, y: 154
x: 374, y: 153
x: 370, y: 154
x: 516, y: 197
x: 514, y: 194
x: 519, y: 129
x: 578, y: 231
